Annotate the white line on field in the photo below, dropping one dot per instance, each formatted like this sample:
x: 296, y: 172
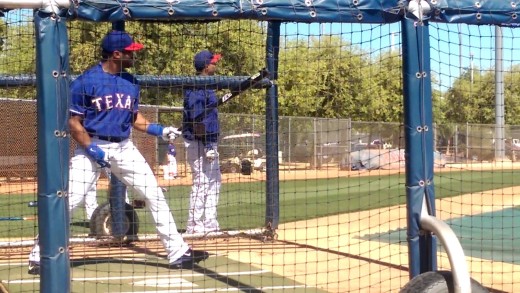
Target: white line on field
x: 144, y: 277
x: 2, y: 264
x: 222, y: 289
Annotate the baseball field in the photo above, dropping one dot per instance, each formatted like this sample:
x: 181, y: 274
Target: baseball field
x: 340, y: 231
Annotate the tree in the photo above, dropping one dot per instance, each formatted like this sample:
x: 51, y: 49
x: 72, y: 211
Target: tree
x: 471, y: 99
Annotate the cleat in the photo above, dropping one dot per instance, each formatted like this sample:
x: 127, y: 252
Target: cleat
x: 128, y: 239
x: 188, y: 259
x: 34, y: 268
x: 115, y: 241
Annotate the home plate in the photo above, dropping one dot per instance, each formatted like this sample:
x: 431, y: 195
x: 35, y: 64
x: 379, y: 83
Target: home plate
x: 170, y: 282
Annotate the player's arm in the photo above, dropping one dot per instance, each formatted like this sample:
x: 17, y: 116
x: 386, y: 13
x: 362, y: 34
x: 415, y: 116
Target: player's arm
x: 142, y: 124
x: 77, y: 131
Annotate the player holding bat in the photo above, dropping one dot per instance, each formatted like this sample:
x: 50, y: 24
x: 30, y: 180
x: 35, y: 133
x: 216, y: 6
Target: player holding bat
x: 104, y: 107
x: 201, y: 129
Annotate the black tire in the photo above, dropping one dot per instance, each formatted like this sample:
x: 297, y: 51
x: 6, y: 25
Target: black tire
x: 233, y: 168
x: 101, y: 222
x: 437, y: 282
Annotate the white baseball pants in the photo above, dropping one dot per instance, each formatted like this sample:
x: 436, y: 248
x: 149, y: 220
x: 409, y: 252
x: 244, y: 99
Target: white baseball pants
x: 205, y: 191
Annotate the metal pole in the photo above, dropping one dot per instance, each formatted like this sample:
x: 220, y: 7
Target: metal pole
x: 289, y: 138
x: 499, y: 97
x: 456, y: 142
x: 272, y: 213
x: 467, y: 142
x: 45, y: 5
x: 460, y: 49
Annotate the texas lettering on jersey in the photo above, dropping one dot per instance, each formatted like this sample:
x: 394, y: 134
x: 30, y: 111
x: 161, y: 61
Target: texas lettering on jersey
x: 119, y: 101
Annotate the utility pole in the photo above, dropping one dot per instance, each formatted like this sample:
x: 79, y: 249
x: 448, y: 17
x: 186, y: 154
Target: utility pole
x: 499, y: 97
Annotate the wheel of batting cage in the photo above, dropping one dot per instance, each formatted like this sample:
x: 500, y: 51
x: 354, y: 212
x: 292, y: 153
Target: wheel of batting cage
x: 437, y: 282
x: 101, y: 222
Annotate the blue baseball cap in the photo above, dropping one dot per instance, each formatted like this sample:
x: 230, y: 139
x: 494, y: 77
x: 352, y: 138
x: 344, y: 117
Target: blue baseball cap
x: 119, y: 41
x: 204, y: 58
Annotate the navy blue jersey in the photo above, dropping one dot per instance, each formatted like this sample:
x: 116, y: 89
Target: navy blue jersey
x: 200, y: 104
x: 106, y: 102
x: 171, y: 150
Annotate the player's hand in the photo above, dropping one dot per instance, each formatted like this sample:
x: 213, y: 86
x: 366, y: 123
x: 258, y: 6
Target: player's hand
x: 211, y: 154
x: 170, y: 133
x: 97, y: 154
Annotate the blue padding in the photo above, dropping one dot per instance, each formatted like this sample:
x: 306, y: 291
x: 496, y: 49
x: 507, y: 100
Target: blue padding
x: 346, y: 11
x: 53, y: 152
x: 418, y: 131
x: 216, y: 82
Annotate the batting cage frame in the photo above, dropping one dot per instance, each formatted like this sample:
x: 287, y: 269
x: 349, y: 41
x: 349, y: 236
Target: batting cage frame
x: 414, y: 16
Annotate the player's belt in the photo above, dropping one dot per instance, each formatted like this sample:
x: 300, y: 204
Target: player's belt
x: 109, y: 138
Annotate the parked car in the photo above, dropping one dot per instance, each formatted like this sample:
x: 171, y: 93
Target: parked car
x: 242, y: 153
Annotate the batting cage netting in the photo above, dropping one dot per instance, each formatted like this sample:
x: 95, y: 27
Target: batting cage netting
x: 360, y: 148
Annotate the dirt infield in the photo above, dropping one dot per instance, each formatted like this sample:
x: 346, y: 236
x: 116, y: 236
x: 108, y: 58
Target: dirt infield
x: 332, y: 253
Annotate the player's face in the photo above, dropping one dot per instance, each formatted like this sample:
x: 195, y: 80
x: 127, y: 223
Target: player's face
x: 127, y: 58
x: 211, y: 68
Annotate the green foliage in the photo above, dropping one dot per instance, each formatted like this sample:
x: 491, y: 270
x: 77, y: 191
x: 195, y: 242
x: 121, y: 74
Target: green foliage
x: 329, y: 77
x: 318, y: 77
x: 469, y: 94
x: 471, y: 99
x: 17, y: 55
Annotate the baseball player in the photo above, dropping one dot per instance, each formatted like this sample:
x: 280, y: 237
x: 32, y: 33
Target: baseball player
x: 171, y: 170
x: 200, y: 129
x: 103, y: 109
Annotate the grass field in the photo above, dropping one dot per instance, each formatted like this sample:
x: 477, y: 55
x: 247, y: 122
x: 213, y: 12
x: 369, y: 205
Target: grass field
x: 242, y: 205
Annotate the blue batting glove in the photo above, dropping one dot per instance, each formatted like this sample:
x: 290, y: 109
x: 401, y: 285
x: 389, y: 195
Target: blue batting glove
x: 97, y: 154
x: 103, y: 164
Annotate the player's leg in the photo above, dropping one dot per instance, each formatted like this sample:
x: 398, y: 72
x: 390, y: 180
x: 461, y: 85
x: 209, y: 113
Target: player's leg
x: 212, y: 171
x: 34, y: 259
x: 91, y: 203
x: 166, y: 171
x: 195, y: 156
x: 131, y: 168
x: 82, y: 175
x: 172, y: 166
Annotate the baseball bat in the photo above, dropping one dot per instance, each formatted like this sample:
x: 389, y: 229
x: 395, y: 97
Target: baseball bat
x: 18, y: 218
x: 243, y: 86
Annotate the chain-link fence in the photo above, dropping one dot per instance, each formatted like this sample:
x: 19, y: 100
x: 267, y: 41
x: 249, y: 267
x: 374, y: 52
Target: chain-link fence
x: 303, y: 142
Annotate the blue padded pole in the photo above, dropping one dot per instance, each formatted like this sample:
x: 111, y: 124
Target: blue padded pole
x: 272, y: 212
x: 52, y: 68
x: 418, y: 129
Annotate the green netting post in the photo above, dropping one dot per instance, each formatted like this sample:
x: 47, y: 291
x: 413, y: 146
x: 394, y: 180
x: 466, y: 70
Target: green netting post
x: 52, y: 69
